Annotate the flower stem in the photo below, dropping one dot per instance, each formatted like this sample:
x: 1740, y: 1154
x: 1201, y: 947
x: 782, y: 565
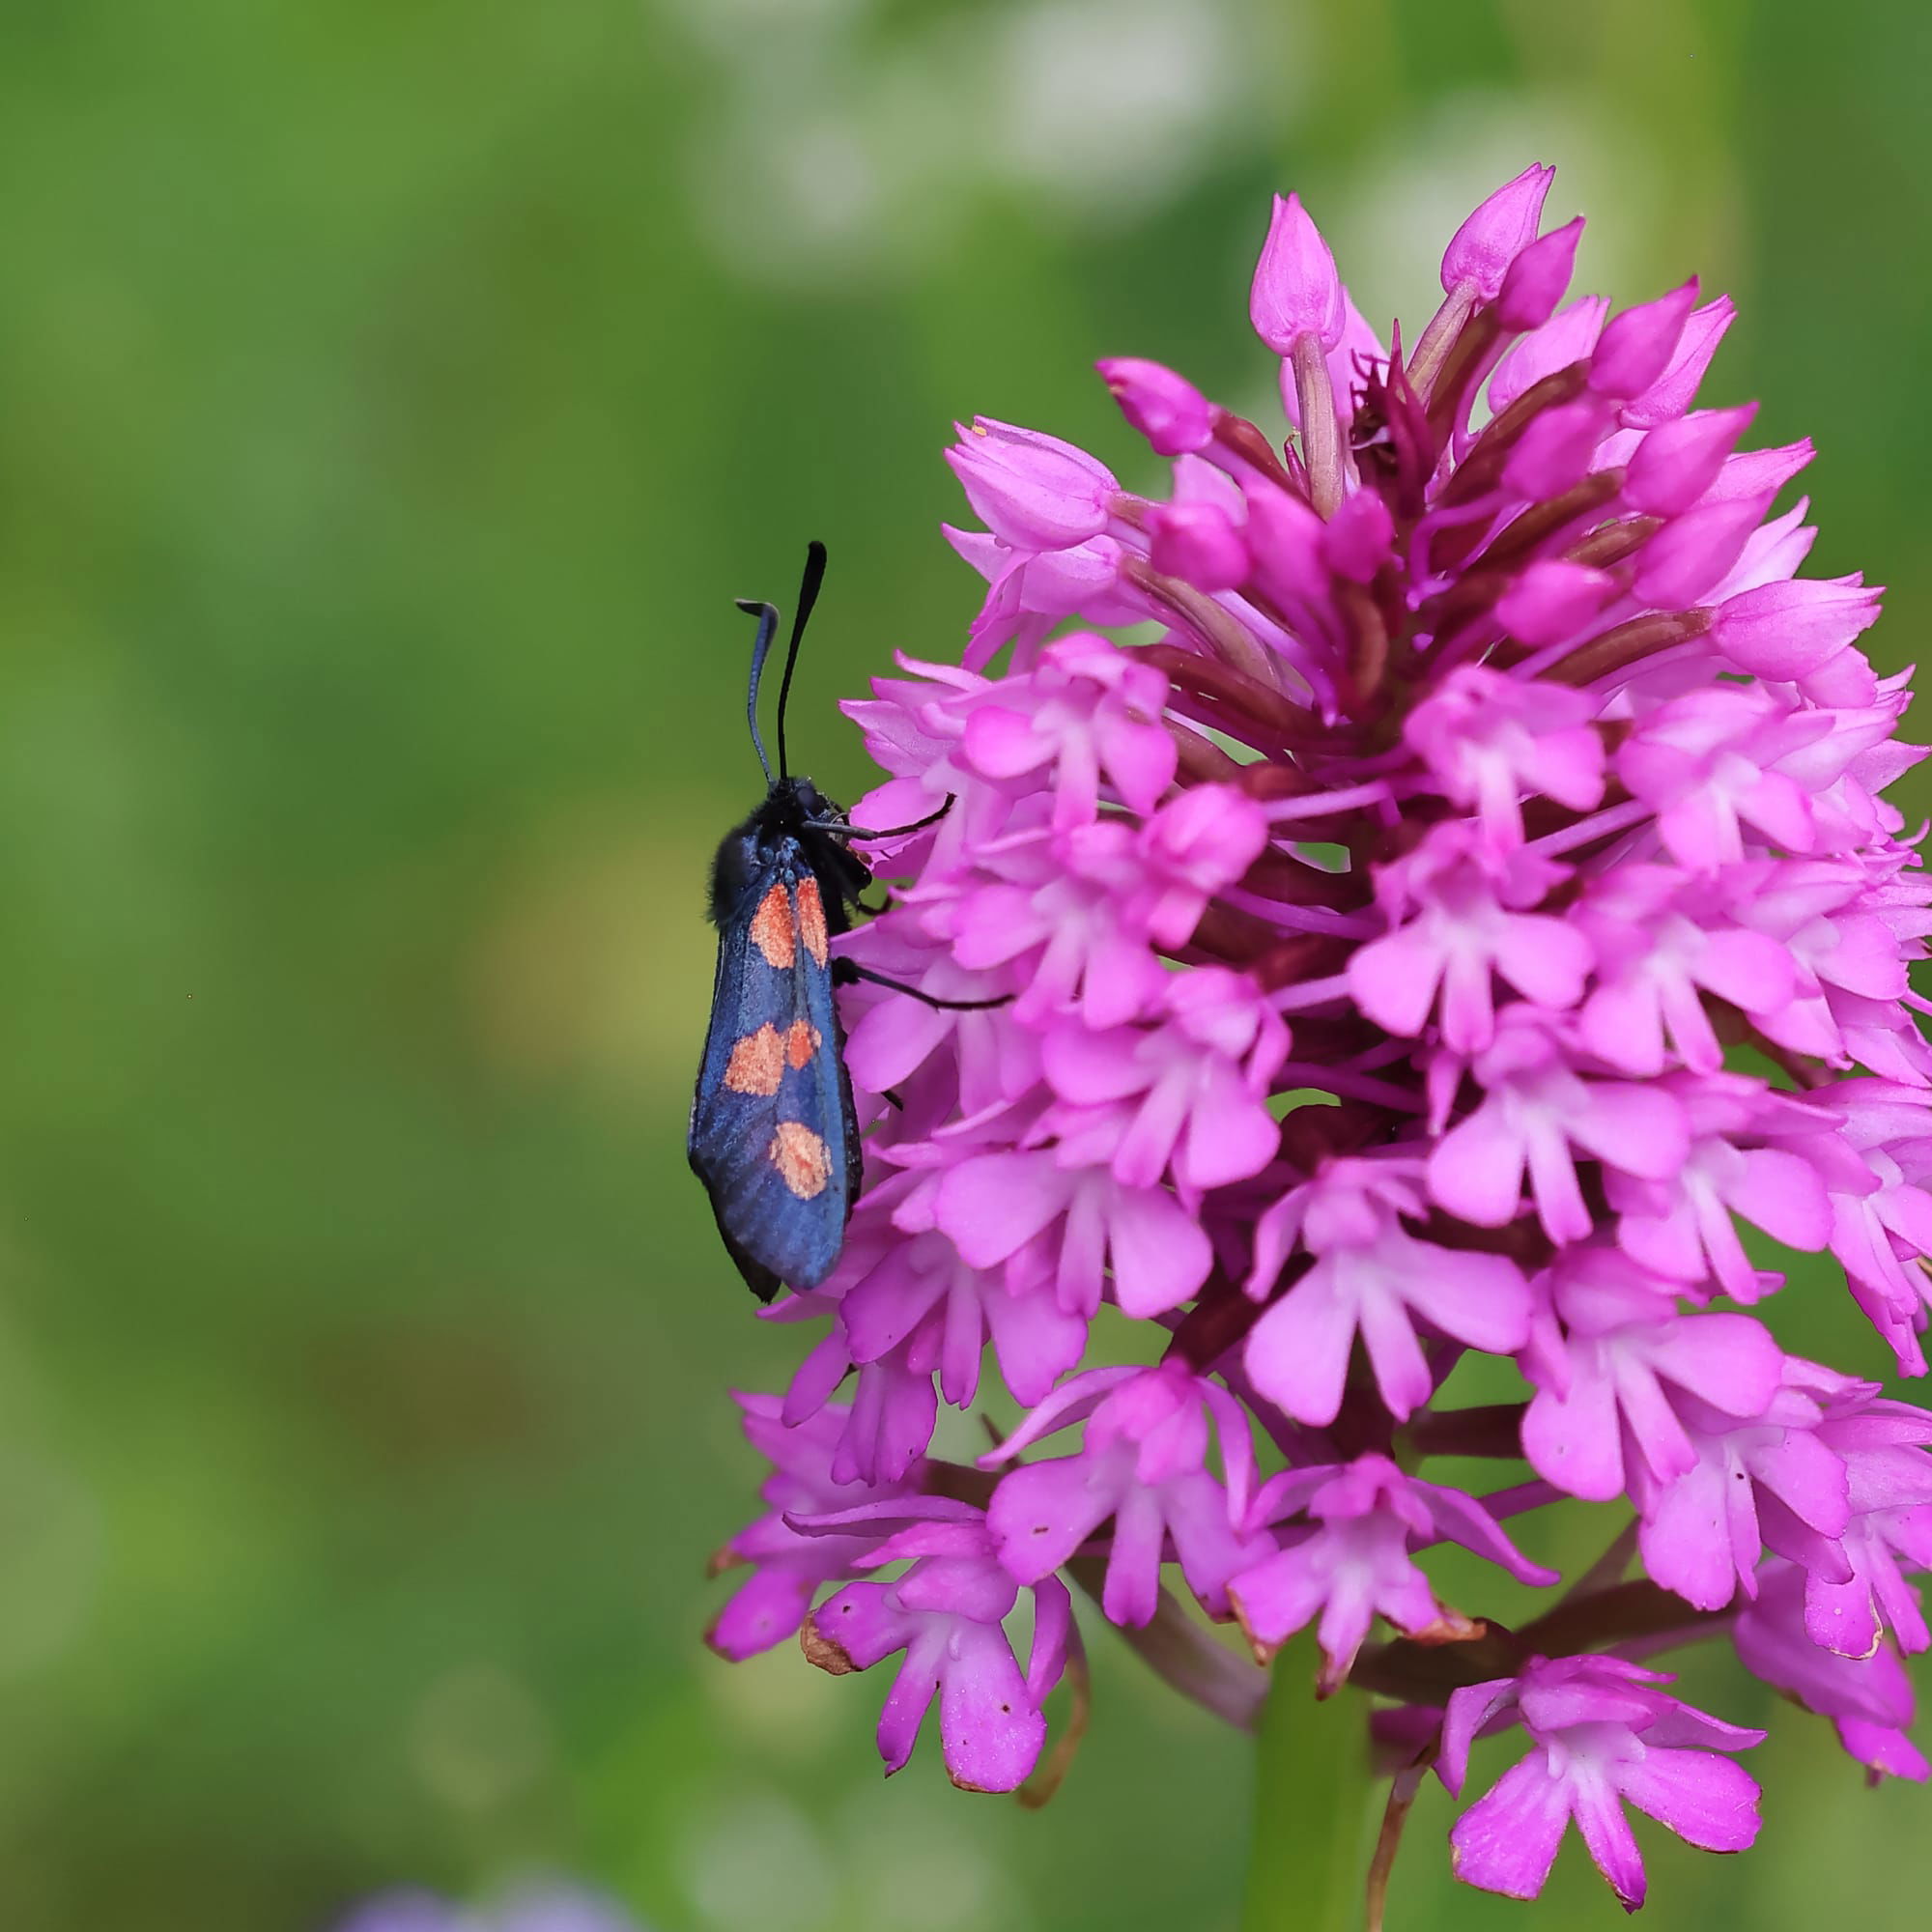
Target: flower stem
x: 1309, y: 1854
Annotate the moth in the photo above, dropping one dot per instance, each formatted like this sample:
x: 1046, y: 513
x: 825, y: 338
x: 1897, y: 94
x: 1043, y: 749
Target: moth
x: 774, y: 1135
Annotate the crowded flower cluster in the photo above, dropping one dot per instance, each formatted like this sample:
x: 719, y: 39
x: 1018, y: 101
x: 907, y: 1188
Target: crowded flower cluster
x: 1463, y: 912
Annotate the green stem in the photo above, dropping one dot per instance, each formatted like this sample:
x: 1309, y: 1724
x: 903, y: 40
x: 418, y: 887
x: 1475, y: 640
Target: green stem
x: 1309, y: 1856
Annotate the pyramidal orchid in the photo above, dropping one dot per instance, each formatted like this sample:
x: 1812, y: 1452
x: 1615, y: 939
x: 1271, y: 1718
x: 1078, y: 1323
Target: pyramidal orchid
x: 1433, y: 882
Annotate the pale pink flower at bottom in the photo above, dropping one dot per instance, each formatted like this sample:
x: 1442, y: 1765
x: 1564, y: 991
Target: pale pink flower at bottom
x: 1604, y: 1738
x: 946, y: 1614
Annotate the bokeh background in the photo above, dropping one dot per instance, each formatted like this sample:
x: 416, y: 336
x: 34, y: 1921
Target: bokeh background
x: 394, y: 394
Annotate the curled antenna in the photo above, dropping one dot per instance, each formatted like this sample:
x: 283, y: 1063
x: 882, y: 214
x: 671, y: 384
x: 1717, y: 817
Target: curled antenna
x: 768, y: 624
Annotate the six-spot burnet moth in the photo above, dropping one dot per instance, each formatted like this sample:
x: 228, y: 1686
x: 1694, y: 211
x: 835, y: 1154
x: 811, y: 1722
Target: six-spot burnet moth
x: 773, y: 1136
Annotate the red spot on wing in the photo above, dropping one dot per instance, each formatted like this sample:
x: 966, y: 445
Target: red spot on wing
x: 774, y: 932
x: 801, y: 1043
x: 811, y: 919
x: 757, y: 1062
x: 802, y: 1160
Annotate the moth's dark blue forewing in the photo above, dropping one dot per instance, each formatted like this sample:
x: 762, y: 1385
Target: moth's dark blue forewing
x: 773, y: 1133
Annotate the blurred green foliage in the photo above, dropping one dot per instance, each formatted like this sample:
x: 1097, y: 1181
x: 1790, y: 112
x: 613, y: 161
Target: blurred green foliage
x: 393, y: 393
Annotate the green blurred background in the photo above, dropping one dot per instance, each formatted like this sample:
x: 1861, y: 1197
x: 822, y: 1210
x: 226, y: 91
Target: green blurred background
x: 394, y: 394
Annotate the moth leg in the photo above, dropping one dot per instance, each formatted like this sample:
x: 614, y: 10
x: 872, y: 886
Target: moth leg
x: 845, y: 831
x: 844, y: 972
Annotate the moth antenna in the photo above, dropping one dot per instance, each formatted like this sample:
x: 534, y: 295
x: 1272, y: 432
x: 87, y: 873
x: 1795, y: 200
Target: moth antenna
x: 768, y: 625
x: 808, y: 596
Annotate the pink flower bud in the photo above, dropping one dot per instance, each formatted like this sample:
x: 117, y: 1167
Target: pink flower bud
x: 1567, y: 337
x: 1297, y: 292
x: 1553, y: 453
x: 1203, y: 840
x: 1480, y: 251
x: 1285, y: 540
x: 1358, y: 537
x: 1676, y: 462
x: 1198, y: 543
x: 1537, y: 277
x: 1553, y: 599
x: 1672, y: 394
x: 1167, y: 408
x: 1687, y: 556
x: 1034, y: 491
x: 1635, y: 347
x: 1785, y: 631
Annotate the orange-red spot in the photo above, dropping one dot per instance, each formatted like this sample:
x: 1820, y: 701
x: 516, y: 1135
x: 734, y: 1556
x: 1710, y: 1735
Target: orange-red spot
x: 802, y: 1160
x: 773, y: 933
x: 757, y: 1062
x: 812, y: 919
x: 801, y: 1043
